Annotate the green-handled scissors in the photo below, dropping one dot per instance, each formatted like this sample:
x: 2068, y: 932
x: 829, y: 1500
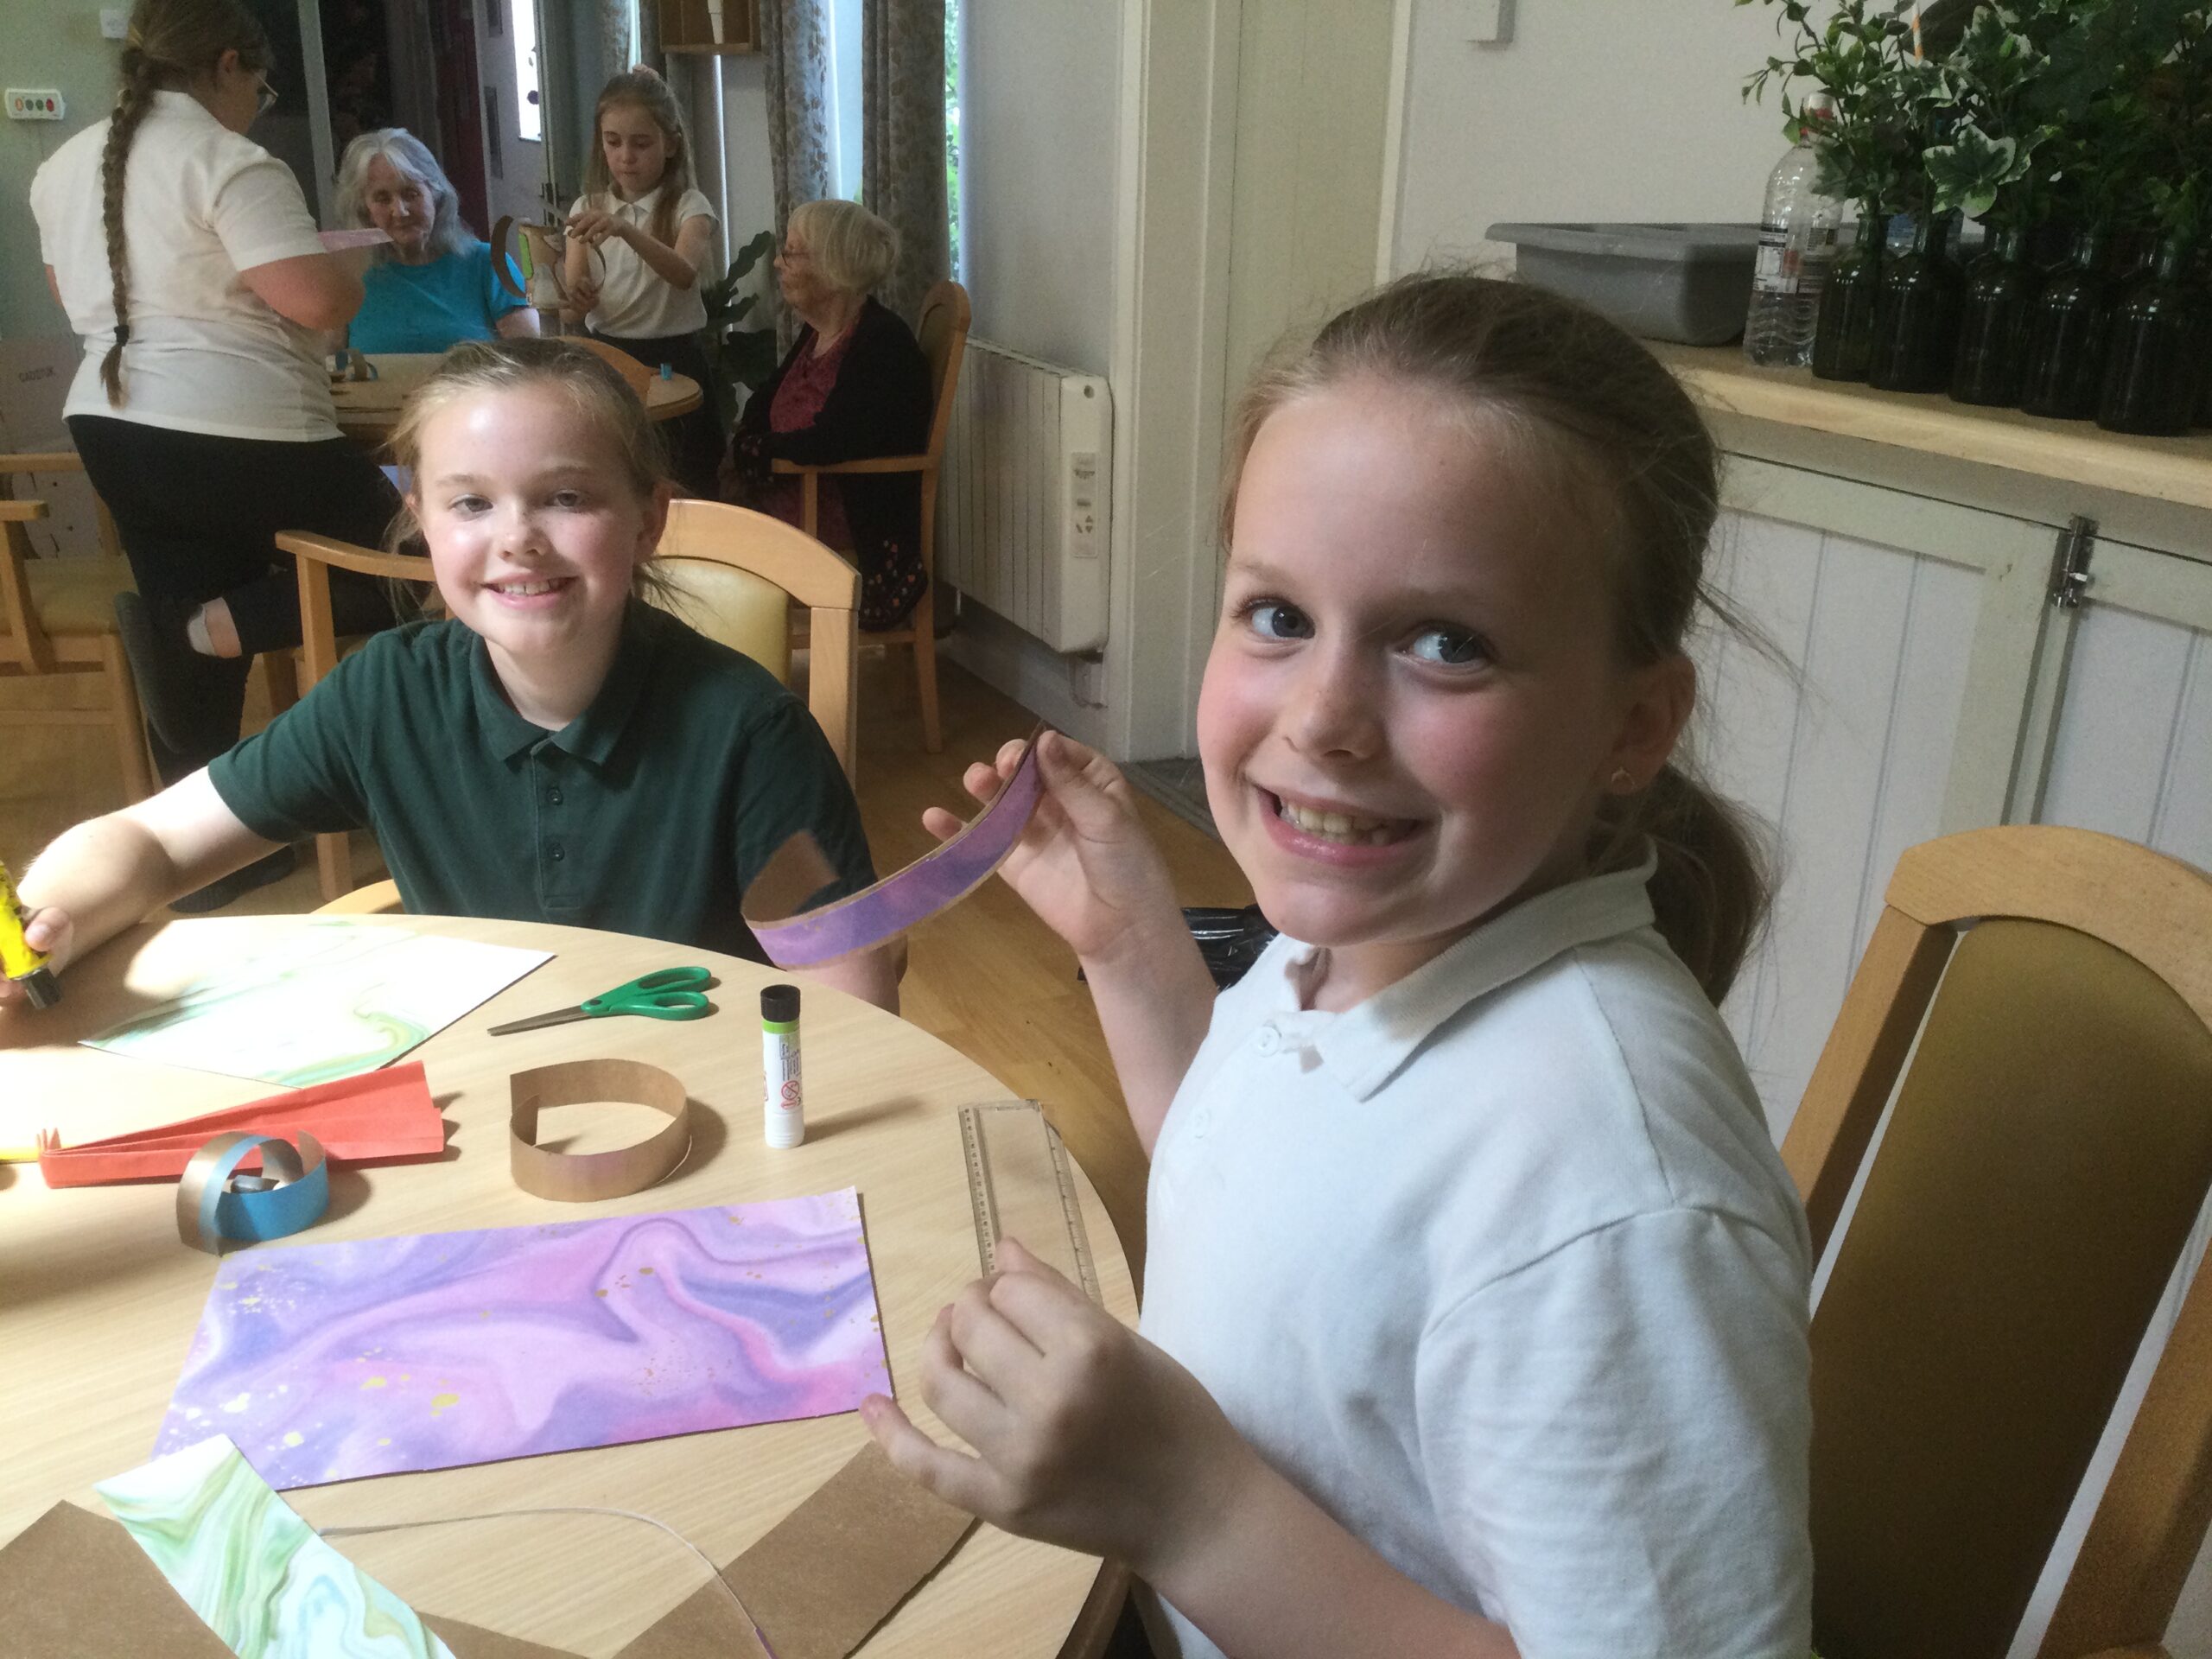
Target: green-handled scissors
x: 669, y: 994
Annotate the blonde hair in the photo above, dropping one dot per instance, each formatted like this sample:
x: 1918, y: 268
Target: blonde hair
x: 642, y: 89
x: 1603, y: 423
x: 411, y: 158
x: 852, y: 249
x: 170, y: 44
x: 602, y: 400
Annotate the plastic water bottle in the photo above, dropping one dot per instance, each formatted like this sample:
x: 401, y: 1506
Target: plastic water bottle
x: 1797, y: 244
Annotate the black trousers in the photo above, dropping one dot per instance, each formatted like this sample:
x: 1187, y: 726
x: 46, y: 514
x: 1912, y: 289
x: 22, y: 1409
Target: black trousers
x: 694, y: 441
x: 199, y: 515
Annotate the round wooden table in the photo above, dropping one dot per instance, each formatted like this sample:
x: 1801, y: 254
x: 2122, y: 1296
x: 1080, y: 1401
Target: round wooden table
x: 98, y: 1299
x: 368, y: 409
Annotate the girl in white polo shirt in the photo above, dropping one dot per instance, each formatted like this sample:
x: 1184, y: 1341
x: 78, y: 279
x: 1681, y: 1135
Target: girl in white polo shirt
x: 185, y: 255
x: 1475, y: 1311
x: 639, y: 235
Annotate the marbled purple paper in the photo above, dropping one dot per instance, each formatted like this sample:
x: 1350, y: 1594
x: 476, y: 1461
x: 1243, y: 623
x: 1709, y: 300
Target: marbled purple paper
x: 329, y: 1362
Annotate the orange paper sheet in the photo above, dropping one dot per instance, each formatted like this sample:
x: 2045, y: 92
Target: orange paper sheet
x: 373, y: 1118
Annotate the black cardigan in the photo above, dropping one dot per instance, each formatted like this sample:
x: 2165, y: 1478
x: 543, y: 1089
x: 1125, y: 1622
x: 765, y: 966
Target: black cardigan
x: 881, y: 404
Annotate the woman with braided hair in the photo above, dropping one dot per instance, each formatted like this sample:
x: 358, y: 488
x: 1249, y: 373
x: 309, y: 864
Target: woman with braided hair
x: 186, y: 259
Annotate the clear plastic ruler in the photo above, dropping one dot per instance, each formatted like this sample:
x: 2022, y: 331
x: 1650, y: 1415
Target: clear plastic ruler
x: 1021, y: 1186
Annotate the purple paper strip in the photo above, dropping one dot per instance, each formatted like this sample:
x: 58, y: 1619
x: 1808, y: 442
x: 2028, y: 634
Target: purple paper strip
x: 935, y: 881
x: 330, y: 1361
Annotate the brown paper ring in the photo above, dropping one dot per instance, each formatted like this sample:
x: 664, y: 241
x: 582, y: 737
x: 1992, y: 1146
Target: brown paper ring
x: 578, y: 1177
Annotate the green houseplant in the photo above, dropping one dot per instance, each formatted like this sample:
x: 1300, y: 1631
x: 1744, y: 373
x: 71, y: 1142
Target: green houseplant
x: 1861, y: 59
x: 742, y: 358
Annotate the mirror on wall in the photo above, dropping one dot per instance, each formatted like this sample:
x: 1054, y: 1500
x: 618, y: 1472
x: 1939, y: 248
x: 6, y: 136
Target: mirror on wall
x: 477, y: 80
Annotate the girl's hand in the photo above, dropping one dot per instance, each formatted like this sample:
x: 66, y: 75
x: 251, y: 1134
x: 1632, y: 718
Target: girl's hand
x: 582, y: 301
x: 593, y: 225
x: 48, y: 929
x: 1086, y: 864
x: 1086, y: 1435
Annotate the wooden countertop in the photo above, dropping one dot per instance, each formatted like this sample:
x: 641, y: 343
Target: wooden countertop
x: 2174, y: 470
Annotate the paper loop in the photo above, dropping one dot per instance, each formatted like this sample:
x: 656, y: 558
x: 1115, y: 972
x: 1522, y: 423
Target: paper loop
x: 933, y: 882
x: 578, y: 1177
x: 207, y: 1211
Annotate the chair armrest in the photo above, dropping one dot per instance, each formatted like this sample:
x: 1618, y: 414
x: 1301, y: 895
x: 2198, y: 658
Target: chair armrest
x: 21, y: 512
x: 47, y: 460
x: 328, y: 550
x: 873, y: 464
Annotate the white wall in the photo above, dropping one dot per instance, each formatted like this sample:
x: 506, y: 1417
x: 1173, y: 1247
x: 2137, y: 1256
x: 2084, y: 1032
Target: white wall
x: 1595, y: 110
x: 49, y: 43
x: 1041, y: 110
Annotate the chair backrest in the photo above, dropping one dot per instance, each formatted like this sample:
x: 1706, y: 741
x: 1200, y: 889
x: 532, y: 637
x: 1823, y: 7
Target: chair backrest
x: 23, y: 642
x: 734, y: 568
x: 635, y: 375
x: 942, y: 331
x: 2048, y: 1149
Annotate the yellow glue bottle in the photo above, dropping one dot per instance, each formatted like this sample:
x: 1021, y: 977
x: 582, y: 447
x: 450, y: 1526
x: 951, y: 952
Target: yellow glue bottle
x: 18, y: 960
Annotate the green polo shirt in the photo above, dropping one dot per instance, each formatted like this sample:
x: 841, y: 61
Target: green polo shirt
x: 648, y: 813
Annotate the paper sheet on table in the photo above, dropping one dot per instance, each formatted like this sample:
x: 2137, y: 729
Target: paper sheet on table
x: 329, y: 1362
x: 338, y: 999
x: 254, y: 1570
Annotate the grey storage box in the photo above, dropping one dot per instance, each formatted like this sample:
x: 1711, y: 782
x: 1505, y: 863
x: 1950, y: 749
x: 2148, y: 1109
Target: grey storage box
x: 1688, y: 283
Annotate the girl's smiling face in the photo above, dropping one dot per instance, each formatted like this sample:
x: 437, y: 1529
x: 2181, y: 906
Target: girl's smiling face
x: 1414, y: 703
x: 534, y: 527
x: 637, y: 150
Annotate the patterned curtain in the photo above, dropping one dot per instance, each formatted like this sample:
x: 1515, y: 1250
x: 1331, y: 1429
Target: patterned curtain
x: 796, y: 56
x: 902, y: 154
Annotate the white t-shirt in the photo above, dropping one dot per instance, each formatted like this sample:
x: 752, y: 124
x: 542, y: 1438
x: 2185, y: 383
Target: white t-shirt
x: 201, y: 203
x: 635, y: 301
x: 1501, y: 1268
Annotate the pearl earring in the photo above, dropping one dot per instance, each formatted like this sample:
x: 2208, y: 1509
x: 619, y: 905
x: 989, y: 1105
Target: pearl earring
x: 1620, y: 783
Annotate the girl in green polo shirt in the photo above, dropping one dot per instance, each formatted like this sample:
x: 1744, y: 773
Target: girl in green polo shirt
x: 554, y: 749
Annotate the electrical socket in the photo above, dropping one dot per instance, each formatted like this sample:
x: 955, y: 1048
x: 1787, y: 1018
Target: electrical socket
x: 115, y: 22
x: 34, y: 104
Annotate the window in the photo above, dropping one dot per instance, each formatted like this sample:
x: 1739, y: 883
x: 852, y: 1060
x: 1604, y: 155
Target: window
x: 952, y: 12
x: 530, y: 118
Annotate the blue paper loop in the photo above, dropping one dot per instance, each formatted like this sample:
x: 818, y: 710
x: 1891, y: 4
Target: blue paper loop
x: 208, y: 1211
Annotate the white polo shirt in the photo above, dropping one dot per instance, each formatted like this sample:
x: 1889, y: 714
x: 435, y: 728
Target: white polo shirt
x: 635, y: 301
x: 201, y: 203
x: 1501, y: 1268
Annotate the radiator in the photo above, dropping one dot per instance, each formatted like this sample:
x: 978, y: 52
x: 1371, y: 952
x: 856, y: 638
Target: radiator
x: 1022, y: 503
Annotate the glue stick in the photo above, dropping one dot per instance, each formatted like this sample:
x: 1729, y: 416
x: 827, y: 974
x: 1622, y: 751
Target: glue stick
x: 782, y: 1109
x: 27, y: 967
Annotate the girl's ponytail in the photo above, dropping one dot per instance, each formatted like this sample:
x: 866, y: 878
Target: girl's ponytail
x: 1709, y: 895
x: 141, y: 77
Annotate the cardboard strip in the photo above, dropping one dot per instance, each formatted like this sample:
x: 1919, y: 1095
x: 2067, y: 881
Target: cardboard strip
x: 577, y: 1178
x: 376, y: 1117
x: 828, y: 1573
x: 936, y: 882
x: 208, y: 1211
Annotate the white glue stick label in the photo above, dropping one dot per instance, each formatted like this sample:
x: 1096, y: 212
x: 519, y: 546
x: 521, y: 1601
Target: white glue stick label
x: 783, y: 1106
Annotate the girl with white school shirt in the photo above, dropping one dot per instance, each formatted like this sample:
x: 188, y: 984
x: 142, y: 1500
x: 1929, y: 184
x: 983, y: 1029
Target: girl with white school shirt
x: 185, y: 255
x: 555, y: 749
x: 648, y: 229
x: 1475, y: 1310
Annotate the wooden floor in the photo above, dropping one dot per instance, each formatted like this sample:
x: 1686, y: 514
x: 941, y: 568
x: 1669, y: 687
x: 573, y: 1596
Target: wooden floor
x: 988, y: 978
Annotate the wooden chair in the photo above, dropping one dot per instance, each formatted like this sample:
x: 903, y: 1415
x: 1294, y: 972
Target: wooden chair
x: 737, y: 572
x: 57, y: 617
x: 377, y: 898
x: 943, y: 335
x: 315, y: 556
x: 2045, y: 995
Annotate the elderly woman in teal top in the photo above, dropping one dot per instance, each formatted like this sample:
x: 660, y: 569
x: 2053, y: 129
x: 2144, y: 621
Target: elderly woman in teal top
x: 435, y: 284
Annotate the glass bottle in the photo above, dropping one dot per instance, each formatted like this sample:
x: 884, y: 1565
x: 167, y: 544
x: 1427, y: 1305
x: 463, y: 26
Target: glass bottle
x: 1917, y: 314
x: 2152, y: 367
x: 2066, y: 336
x: 1844, y: 336
x: 2001, y: 294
